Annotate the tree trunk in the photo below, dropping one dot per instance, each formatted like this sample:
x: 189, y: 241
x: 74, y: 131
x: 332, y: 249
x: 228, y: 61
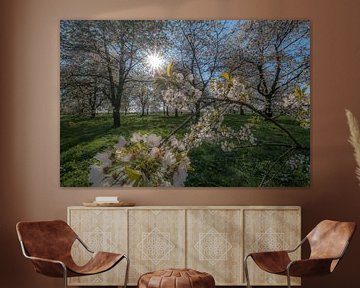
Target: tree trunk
x: 116, y: 117
x: 197, y: 110
x: 93, y: 109
x: 176, y: 112
x: 268, y: 106
x: 142, y: 111
x: 164, y: 109
x: 167, y: 111
x: 242, y: 110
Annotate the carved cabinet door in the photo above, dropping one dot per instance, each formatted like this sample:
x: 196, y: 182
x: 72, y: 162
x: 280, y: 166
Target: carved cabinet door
x: 156, y: 240
x: 214, y: 244
x: 271, y: 230
x: 101, y: 230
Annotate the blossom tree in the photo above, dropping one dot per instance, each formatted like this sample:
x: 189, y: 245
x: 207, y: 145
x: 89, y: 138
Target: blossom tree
x: 150, y: 160
x: 227, y: 94
x: 116, y: 48
x: 273, y: 57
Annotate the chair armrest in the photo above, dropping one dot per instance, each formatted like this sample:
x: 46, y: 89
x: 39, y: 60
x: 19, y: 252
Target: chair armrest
x: 83, y: 244
x: 309, y: 267
x: 280, y: 251
x: 48, y: 267
x: 268, y: 254
x: 45, y: 260
x: 298, y: 246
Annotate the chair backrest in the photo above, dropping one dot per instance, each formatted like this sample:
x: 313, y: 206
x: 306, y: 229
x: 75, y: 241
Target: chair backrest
x: 329, y: 239
x: 46, y: 239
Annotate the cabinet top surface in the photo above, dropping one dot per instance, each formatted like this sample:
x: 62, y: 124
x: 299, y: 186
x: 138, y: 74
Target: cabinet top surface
x: 192, y: 207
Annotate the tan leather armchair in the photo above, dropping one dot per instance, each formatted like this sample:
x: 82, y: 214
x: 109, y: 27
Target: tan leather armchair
x: 48, y: 245
x: 328, y: 242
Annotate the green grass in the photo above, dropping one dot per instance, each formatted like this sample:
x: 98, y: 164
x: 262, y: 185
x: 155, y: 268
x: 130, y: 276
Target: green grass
x: 82, y: 139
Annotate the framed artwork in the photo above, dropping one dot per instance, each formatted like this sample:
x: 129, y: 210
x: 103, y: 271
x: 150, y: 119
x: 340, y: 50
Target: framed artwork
x: 196, y: 103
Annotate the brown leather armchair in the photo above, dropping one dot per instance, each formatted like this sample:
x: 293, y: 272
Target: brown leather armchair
x: 48, y: 245
x: 328, y: 242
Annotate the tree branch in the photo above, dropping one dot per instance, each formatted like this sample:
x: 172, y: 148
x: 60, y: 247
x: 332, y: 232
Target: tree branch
x: 274, y: 163
x: 252, y: 108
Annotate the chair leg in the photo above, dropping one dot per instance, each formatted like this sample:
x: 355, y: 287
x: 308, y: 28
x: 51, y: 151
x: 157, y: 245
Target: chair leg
x: 126, y: 271
x: 65, y: 276
x: 246, y: 270
x: 288, y: 278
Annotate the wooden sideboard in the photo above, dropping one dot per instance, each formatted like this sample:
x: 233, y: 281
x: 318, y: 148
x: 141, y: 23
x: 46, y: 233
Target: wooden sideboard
x: 212, y: 239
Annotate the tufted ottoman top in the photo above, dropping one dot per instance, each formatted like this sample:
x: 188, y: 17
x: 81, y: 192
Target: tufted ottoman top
x: 176, y: 278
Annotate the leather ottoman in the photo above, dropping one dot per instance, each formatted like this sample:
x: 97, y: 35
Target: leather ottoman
x: 176, y: 278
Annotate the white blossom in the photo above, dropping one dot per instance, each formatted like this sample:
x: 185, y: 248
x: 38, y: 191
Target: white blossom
x: 210, y: 129
x: 154, y: 152
x: 179, y: 77
x: 180, y: 176
x: 121, y: 143
x: 190, y: 77
x: 153, y: 140
x: 233, y: 90
x: 136, y: 137
x: 180, y: 92
x: 297, y: 104
x: 152, y: 163
x: 298, y: 161
x: 168, y: 159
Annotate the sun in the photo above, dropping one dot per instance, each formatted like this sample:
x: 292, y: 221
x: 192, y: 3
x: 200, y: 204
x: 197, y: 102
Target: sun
x: 155, y: 61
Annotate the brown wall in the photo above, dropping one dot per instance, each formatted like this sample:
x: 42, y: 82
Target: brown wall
x: 29, y: 119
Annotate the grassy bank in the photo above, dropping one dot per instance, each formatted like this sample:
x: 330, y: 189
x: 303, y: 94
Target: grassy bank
x: 82, y: 139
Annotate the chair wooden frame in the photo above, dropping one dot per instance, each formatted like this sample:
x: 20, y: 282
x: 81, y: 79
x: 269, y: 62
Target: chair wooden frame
x: 305, y: 267
x: 65, y: 270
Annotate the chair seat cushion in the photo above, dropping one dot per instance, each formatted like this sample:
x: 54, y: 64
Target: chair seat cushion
x: 176, y: 278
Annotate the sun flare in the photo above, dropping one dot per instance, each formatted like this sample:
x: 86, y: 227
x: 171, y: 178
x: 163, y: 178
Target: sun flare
x: 155, y: 61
